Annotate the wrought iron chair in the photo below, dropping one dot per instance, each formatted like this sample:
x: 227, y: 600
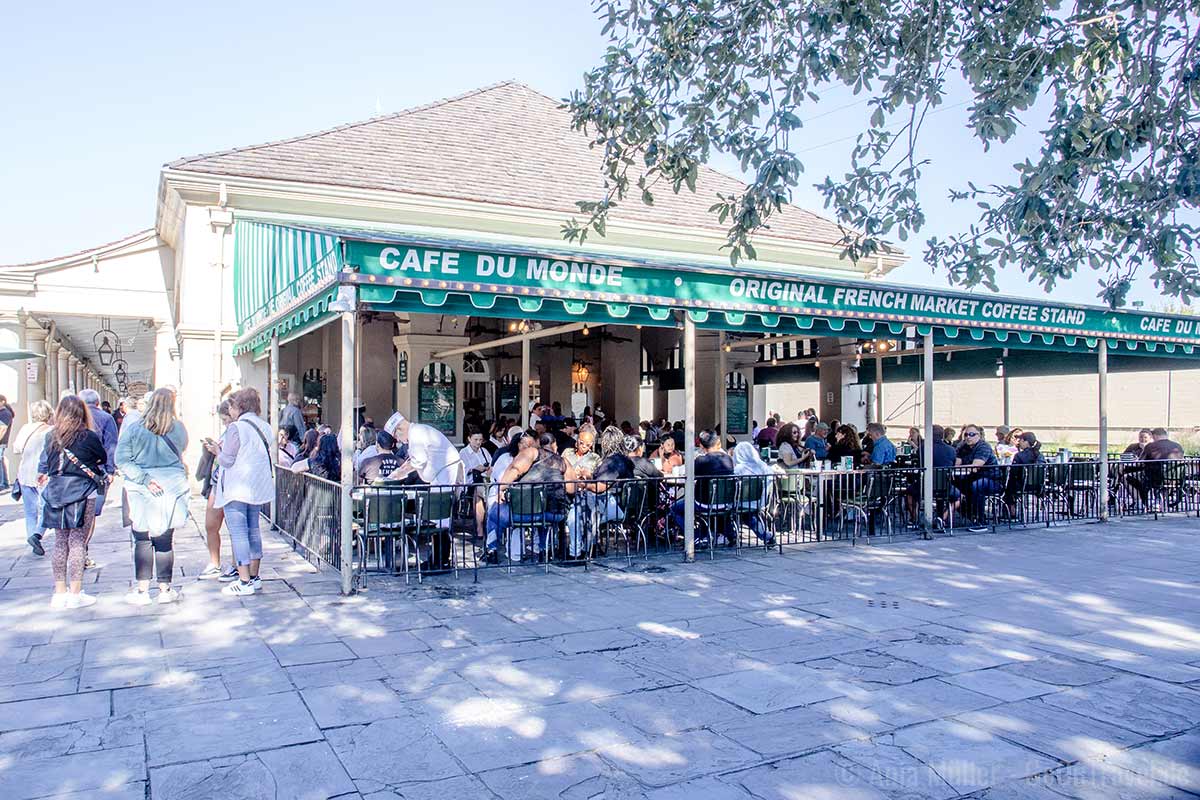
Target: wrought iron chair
x: 528, y: 514
x: 429, y: 507
x: 716, y: 507
x: 752, y: 503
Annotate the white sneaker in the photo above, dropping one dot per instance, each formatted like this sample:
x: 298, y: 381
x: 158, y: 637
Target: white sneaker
x: 81, y: 600
x: 58, y: 600
x: 171, y: 595
x: 136, y: 598
x: 257, y: 582
x: 237, y: 588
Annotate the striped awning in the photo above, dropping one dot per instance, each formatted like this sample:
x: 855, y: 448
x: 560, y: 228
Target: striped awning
x: 286, y: 277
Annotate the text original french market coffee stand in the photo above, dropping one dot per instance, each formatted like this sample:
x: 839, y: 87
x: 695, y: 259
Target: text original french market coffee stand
x: 291, y: 278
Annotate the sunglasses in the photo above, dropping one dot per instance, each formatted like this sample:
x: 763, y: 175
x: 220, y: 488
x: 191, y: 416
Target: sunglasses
x: 970, y: 435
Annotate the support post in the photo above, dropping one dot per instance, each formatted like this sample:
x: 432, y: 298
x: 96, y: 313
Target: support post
x: 1102, y: 489
x: 525, y: 384
x: 1004, y: 388
x: 722, y: 368
x: 273, y: 407
x: 347, y: 436
x: 689, y: 438
x: 927, y: 442
x: 879, y: 389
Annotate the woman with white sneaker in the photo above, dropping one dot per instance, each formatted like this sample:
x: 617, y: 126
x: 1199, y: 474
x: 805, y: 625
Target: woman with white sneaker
x: 70, y: 472
x: 246, y: 483
x: 150, y: 458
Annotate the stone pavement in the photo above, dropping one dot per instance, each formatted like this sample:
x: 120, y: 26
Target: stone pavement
x: 1029, y: 665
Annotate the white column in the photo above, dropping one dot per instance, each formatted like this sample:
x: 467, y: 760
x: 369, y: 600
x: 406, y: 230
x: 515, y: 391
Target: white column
x: 525, y: 384
x: 879, y: 389
x: 722, y: 368
x: 35, y: 342
x: 1102, y: 491
x: 688, y: 353
x: 65, y: 373
x: 51, y: 367
x: 272, y: 400
x: 347, y: 430
x: 927, y: 444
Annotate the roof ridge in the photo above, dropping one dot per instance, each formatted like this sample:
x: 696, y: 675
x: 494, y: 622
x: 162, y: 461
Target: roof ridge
x: 107, y: 245
x: 349, y: 125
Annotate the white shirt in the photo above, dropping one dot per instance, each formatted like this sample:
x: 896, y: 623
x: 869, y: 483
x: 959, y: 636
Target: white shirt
x: 436, y: 460
x: 501, y: 463
x: 29, y: 442
x: 473, y: 458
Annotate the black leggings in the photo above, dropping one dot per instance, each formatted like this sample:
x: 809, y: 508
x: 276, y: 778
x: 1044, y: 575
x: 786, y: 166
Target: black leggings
x: 149, y: 549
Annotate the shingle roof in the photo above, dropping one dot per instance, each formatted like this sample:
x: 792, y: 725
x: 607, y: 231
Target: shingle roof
x: 504, y: 144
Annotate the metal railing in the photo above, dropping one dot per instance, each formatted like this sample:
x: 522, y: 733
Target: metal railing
x: 416, y: 530
x: 308, y: 514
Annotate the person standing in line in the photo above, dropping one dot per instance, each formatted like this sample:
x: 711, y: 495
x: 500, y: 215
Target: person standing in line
x: 6, y: 421
x: 30, y: 442
x: 246, y: 484
x: 150, y: 459
x: 70, y: 472
x: 209, y: 472
x: 293, y: 415
x: 106, y: 428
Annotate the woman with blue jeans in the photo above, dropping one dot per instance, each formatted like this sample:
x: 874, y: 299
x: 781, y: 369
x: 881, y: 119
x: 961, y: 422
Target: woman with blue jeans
x: 245, y: 485
x: 28, y: 444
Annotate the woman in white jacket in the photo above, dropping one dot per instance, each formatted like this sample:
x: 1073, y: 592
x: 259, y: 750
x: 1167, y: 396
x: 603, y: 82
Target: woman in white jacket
x: 28, y: 444
x: 246, y: 483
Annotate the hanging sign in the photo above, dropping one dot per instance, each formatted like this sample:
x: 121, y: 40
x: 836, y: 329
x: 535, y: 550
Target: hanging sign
x: 384, y: 268
x: 31, y: 370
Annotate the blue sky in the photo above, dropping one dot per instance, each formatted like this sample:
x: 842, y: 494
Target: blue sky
x: 96, y: 97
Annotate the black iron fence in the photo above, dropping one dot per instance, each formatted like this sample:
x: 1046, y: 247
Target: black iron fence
x: 309, y: 515
x: 415, y: 530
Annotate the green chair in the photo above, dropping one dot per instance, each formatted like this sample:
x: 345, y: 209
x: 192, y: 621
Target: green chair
x: 423, y: 523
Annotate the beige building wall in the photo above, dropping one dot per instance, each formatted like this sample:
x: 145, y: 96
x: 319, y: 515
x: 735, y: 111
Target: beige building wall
x: 1059, y: 408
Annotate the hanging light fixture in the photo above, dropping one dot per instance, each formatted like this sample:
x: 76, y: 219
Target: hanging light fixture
x: 105, y: 348
x: 120, y: 371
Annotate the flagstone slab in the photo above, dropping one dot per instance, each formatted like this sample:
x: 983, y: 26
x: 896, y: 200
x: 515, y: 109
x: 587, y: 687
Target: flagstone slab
x: 211, y: 730
x: 774, y: 689
x: 1143, y: 705
x: 303, y: 772
x: 53, y: 711
x: 671, y: 709
x: 1174, y: 761
x: 77, y: 773
x: 392, y: 751
x: 582, y: 776
x: 352, y: 703
x: 967, y: 758
x: 672, y: 758
x: 823, y: 775
x: 1000, y: 684
x: 1048, y: 729
x: 788, y: 732
x: 490, y: 734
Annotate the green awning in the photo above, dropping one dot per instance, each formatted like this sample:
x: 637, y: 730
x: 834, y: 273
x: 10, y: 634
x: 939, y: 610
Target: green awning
x: 283, y: 281
x: 286, y: 276
x: 17, y: 355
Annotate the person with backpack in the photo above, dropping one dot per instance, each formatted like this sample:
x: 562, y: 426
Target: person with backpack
x: 150, y: 458
x: 246, y: 483
x: 70, y: 473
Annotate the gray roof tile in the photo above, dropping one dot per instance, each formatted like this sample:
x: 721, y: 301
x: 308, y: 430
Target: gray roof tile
x: 504, y: 144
